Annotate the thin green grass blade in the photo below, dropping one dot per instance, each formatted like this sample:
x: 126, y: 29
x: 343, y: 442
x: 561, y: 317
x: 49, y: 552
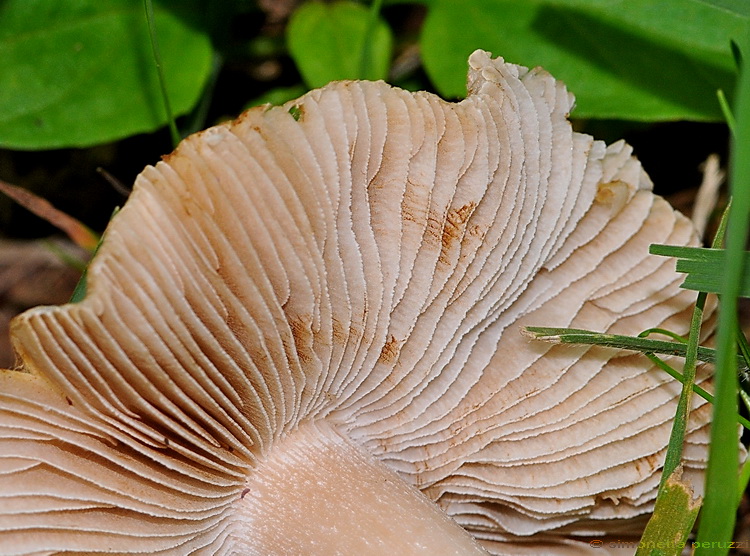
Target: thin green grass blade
x: 675, y: 511
x: 744, y: 477
x: 679, y: 425
x: 718, y: 518
x: 162, y: 82
x: 649, y: 348
x: 704, y: 267
x: 744, y: 350
x: 726, y: 110
x: 617, y: 341
x: 646, y: 333
x: 675, y: 374
x: 721, y: 231
x: 686, y: 252
x: 674, y: 515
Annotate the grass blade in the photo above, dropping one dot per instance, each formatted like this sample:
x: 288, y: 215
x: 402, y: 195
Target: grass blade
x: 79, y: 293
x: 617, y: 341
x: 647, y: 347
x: 704, y: 267
x: 162, y: 82
x: 679, y: 425
x: 745, y: 471
x: 718, y: 518
x: 725, y: 110
x: 674, y: 515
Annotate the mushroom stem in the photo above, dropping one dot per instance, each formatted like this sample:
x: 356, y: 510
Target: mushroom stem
x: 317, y: 493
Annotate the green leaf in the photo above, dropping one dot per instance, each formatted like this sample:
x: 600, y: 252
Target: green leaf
x: 81, y: 72
x: 626, y: 59
x: 737, y: 7
x: 704, y: 267
x: 674, y: 515
x: 326, y: 42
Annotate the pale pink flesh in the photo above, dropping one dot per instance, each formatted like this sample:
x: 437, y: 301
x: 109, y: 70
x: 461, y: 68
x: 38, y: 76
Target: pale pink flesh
x: 317, y: 493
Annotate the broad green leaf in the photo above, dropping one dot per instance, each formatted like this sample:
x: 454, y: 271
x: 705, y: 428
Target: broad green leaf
x: 626, y: 59
x: 674, y: 515
x: 326, y: 42
x: 737, y: 7
x: 81, y: 72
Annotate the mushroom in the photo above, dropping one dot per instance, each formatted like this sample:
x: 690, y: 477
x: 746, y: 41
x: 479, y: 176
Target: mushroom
x: 302, y: 337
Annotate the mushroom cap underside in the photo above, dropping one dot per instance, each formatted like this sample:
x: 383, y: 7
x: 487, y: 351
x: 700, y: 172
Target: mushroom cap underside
x: 365, y: 257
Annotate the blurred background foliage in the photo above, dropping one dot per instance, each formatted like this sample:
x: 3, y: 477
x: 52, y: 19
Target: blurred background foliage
x: 79, y: 88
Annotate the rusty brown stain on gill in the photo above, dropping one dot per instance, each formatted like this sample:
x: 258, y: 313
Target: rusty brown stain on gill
x: 301, y: 327
x: 454, y: 227
x: 413, y: 207
x: 454, y: 223
x: 390, y: 351
x: 647, y: 464
x: 447, y: 228
x: 339, y: 331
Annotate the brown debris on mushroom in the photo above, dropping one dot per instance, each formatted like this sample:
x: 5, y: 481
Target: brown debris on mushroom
x: 329, y: 294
